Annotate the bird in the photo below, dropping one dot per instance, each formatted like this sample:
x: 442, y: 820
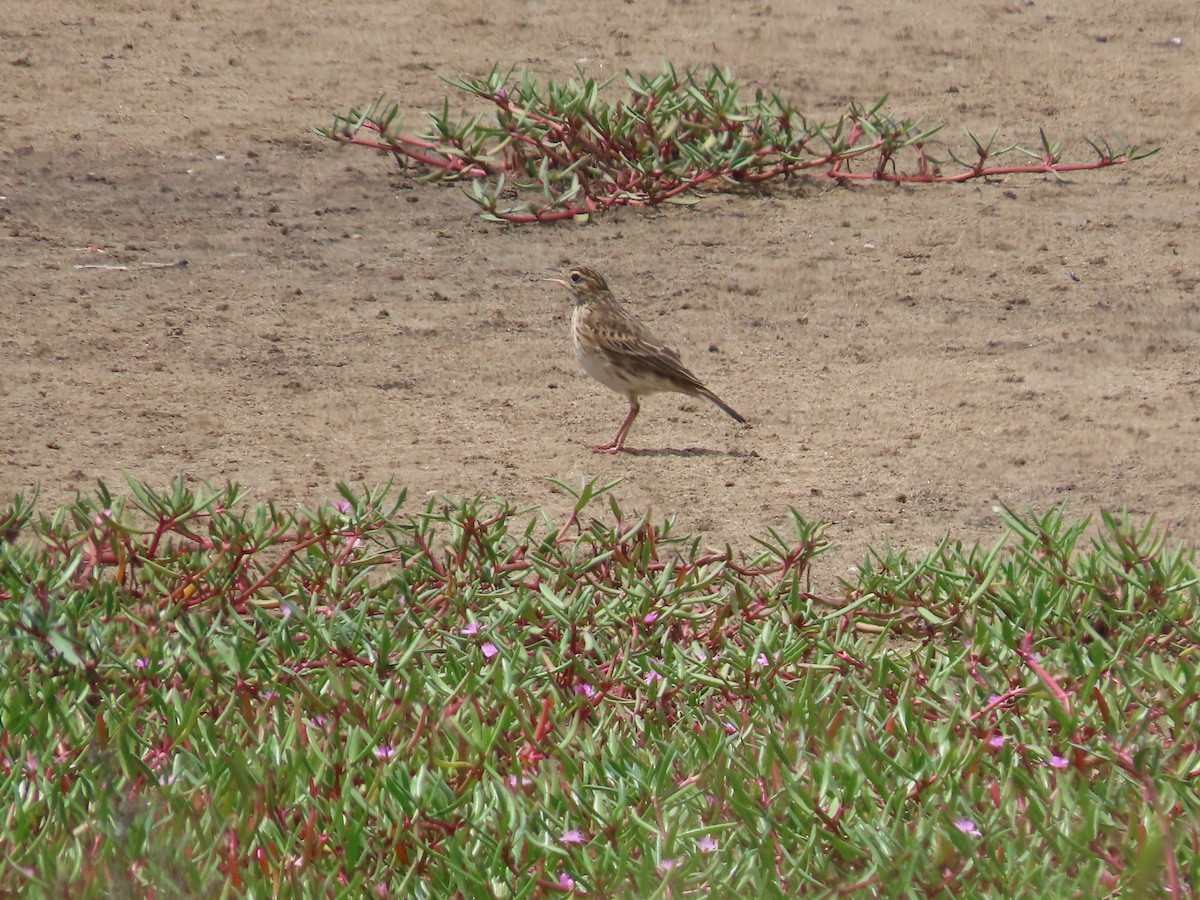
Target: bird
x: 615, y: 349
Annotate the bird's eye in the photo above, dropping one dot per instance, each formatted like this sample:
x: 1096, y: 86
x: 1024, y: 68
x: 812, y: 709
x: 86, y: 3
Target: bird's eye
x: 576, y: 277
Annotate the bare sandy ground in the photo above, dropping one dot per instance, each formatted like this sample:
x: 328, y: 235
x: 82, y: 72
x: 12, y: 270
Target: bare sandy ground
x: 909, y: 358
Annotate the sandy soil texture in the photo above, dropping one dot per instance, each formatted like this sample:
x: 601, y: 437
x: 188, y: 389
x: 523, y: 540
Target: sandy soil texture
x: 909, y: 358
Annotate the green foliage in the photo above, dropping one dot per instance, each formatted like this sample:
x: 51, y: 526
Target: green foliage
x: 200, y: 698
x: 573, y: 152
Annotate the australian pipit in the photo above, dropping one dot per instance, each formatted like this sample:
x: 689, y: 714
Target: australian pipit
x: 617, y: 351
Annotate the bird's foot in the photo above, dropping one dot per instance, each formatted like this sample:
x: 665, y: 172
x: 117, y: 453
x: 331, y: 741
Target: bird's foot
x: 612, y: 447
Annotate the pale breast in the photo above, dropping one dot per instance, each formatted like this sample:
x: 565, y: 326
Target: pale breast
x: 601, y: 366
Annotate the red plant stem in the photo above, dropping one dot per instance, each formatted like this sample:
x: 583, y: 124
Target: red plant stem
x: 998, y: 702
x: 352, y: 538
x: 554, y: 215
x: 190, y: 581
x: 291, y: 553
x: 541, y: 146
x: 1047, y: 168
x: 858, y: 886
x: 1047, y: 679
x: 522, y: 113
x: 437, y: 567
x: 164, y: 525
x: 445, y: 163
x: 1150, y: 794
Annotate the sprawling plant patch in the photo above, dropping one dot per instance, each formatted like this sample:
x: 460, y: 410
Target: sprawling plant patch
x: 565, y: 150
x: 199, y: 696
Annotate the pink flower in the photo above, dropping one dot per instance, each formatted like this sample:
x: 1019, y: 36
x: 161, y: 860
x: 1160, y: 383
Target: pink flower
x: 666, y: 865
x: 996, y: 741
x: 471, y: 629
x: 567, y: 882
x: 489, y: 649
x: 707, y: 844
x: 385, y: 752
x: 730, y: 728
x: 651, y: 618
x: 967, y: 827
x: 573, y: 836
x: 652, y: 677
x: 344, y: 506
x: 584, y: 688
x: 1058, y: 762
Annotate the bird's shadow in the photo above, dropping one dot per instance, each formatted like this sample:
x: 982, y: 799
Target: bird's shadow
x: 685, y: 452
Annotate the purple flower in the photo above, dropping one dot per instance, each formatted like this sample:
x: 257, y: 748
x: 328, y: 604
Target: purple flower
x: 584, y: 688
x: 707, y: 844
x: 489, y: 649
x: 666, y: 865
x: 344, y: 506
x: 142, y: 662
x: 1058, y: 762
x: 573, y: 836
x: 967, y: 827
x: 651, y: 617
x: 730, y: 728
x: 567, y: 882
x: 652, y: 677
x: 470, y: 630
x: 996, y: 741
x: 385, y: 752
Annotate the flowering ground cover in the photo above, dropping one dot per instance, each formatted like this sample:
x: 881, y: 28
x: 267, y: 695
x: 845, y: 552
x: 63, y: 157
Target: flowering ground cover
x: 202, y: 696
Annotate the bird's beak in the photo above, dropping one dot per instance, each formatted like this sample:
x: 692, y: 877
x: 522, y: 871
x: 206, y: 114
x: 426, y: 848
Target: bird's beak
x: 557, y: 279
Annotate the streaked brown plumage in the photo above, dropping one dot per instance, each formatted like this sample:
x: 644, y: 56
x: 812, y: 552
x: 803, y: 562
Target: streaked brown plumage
x: 617, y: 351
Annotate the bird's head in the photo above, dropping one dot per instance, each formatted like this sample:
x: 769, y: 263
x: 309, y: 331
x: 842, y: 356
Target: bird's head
x: 583, y: 283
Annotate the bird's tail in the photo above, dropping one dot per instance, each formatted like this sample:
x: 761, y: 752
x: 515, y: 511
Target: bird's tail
x: 723, y: 406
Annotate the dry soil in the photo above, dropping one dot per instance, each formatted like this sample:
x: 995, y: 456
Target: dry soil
x: 910, y: 358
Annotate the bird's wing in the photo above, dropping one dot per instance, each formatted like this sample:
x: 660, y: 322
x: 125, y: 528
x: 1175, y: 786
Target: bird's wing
x: 650, y: 356
x: 624, y: 338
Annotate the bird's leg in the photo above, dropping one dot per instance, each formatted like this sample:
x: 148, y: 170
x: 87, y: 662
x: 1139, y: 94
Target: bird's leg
x: 617, y: 444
